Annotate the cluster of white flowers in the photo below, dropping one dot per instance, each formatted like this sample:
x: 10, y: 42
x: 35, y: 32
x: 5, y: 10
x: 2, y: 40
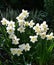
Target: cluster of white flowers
x: 21, y: 20
x: 19, y: 50
x: 40, y: 30
x: 10, y: 27
x: 22, y: 23
x: 10, y: 30
x: 16, y: 51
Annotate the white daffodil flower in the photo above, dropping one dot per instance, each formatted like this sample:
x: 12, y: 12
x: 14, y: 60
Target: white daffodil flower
x: 27, y: 47
x: 12, y: 36
x: 13, y: 51
x: 33, y: 39
x: 20, y: 17
x: 44, y: 27
x: 10, y: 30
x: 11, y: 24
x: 22, y: 46
x: 4, y: 21
x: 31, y: 24
x: 21, y: 29
x: 26, y: 23
x: 21, y: 22
x: 19, y: 52
x: 43, y: 35
x: 15, y: 40
x: 25, y: 13
x: 50, y: 36
x: 37, y: 28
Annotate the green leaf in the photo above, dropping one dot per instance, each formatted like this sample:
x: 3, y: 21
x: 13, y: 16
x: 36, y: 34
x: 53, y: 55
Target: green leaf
x: 51, y: 48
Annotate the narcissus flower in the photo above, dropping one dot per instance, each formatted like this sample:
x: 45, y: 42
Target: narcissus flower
x: 26, y: 23
x: 21, y: 22
x: 12, y: 36
x: 11, y: 24
x: 43, y: 35
x: 19, y: 52
x: 21, y: 29
x: 15, y: 40
x: 31, y: 24
x: 50, y: 36
x: 22, y: 46
x: 4, y: 21
x: 10, y: 30
x: 37, y: 28
x: 20, y: 17
x: 13, y: 51
x: 24, y: 14
x: 27, y: 47
x: 44, y: 27
x: 33, y: 39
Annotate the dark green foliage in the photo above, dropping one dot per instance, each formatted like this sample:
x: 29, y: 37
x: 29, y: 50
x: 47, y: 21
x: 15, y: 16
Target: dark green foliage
x: 38, y: 16
x: 2, y: 4
x: 10, y: 14
x: 49, y: 7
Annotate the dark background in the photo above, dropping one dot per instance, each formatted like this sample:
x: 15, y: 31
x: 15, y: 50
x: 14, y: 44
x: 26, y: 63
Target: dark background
x: 22, y: 4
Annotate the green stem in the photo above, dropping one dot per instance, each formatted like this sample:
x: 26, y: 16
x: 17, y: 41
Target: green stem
x: 40, y: 63
x: 24, y: 60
